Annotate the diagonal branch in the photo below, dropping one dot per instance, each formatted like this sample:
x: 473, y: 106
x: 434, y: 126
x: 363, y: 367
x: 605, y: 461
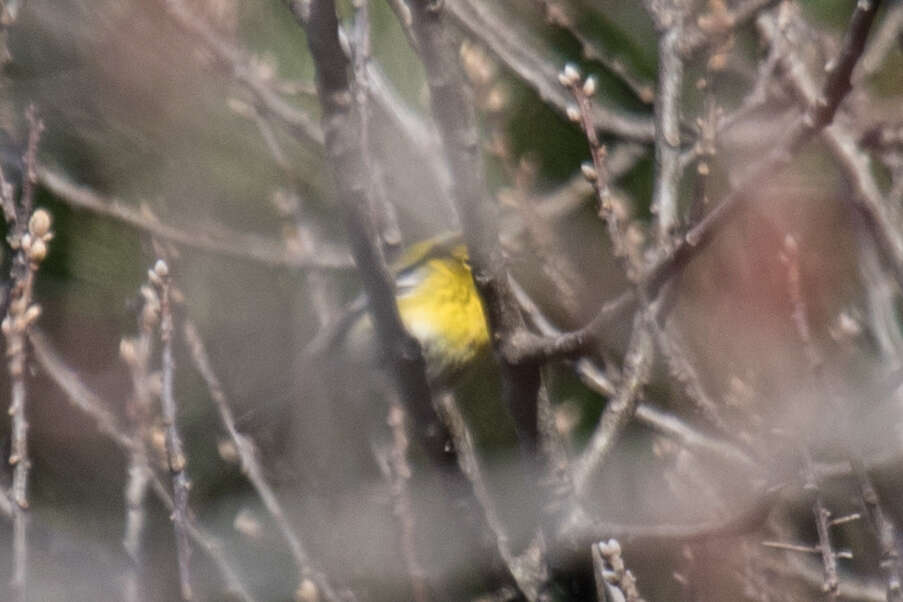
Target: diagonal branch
x: 819, y: 114
x: 250, y: 463
x: 87, y: 402
x: 517, y: 49
x: 226, y: 242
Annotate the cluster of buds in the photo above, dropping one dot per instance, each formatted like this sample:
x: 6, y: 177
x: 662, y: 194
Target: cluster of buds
x: 492, y: 95
x: 582, y: 89
x: 571, y: 78
x: 34, y: 242
x: 158, y: 274
x: 150, y: 311
x: 614, y: 572
x: 307, y: 591
x: 22, y: 312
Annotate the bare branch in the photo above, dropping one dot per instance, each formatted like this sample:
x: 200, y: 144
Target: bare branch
x: 175, y: 454
x: 667, y: 134
x: 517, y: 50
x: 611, y: 573
x: 822, y: 526
x: 29, y: 236
x: 557, y: 13
x: 886, y: 38
x: 296, y: 121
x: 819, y: 114
x: 399, y: 470
x: 620, y: 409
x: 251, y: 467
x: 454, y: 115
x: 883, y: 525
x: 528, y: 568
x: 92, y: 406
x: 232, y: 244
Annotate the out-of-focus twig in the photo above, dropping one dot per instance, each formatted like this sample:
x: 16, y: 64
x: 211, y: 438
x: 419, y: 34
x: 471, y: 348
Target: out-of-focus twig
x: 528, y: 568
x: 612, y: 574
x: 621, y: 408
x: 517, y: 49
x: 233, y: 244
x: 887, y: 38
x: 579, y: 528
x: 136, y: 353
x: 399, y: 472
x: 562, y: 15
x: 175, y: 454
x: 886, y: 530
x: 296, y: 121
x: 710, y: 29
x: 667, y: 134
x: 818, y: 115
x: 250, y: 465
x: 87, y: 402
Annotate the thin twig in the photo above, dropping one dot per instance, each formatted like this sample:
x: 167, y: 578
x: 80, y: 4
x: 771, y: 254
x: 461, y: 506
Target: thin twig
x: 346, y: 158
x: 819, y: 115
x: 884, y: 526
x: 556, y: 13
x: 296, y: 121
x: 683, y: 370
x: 528, y: 568
x: 250, y: 465
x: 136, y: 353
x: 797, y: 566
x: 822, y: 526
x: 90, y: 404
x: 223, y: 241
x: 583, y: 91
x: 384, y: 211
x: 29, y: 235
x: 610, y: 572
x: 400, y: 473
x: 175, y: 454
x: 656, y: 419
x: 620, y: 409
x: 521, y: 52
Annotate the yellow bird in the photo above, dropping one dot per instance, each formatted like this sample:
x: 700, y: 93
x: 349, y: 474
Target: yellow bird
x: 439, y: 306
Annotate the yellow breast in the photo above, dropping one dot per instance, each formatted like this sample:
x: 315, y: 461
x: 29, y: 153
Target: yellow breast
x: 443, y: 311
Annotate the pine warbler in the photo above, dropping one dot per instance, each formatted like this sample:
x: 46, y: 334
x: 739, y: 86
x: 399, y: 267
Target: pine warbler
x: 439, y: 306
